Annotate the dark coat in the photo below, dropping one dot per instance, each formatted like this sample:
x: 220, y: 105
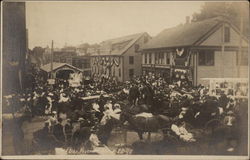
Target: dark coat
x: 58, y: 132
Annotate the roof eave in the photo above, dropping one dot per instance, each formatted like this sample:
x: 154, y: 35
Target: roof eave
x: 166, y: 48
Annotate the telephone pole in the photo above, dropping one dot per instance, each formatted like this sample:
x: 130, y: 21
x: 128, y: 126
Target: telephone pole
x: 240, y: 42
x: 51, y: 61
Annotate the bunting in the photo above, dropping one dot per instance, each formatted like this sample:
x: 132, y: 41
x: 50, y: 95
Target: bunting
x: 179, y: 52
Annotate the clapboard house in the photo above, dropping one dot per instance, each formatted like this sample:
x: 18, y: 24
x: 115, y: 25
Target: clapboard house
x: 119, y: 58
x: 205, y: 49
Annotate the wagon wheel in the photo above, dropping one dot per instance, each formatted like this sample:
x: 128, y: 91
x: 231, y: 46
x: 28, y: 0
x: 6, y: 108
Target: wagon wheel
x: 212, y: 124
x: 170, y: 136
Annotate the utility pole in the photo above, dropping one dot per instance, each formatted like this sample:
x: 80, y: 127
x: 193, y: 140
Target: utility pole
x: 240, y: 42
x: 222, y: 51
x: 51, y: 61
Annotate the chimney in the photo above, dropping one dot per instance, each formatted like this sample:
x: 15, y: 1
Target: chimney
x: 187, y: 19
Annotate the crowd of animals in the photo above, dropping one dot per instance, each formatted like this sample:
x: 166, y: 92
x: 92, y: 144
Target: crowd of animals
x: 143, y: 104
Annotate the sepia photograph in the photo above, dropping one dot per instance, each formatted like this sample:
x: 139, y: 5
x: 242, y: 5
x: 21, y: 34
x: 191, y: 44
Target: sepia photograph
x: 124, y: 79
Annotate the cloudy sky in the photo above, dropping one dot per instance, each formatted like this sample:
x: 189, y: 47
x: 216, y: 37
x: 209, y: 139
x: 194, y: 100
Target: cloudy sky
x: 73, y: 23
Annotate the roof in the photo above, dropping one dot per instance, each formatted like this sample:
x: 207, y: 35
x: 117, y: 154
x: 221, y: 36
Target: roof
x: 57, y: 65
x: 182, y: 35
x: 118, y: 46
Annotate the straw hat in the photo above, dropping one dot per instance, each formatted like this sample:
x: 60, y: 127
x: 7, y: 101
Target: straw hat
x: 80, y: 119
x: 54, y: 112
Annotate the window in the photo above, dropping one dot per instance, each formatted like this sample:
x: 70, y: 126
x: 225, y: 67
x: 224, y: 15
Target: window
x: 206, y: 58
x: 62, y: 60
x: 131, y: 73
x: 168, y: 58
x: 161, y: 58
x: 243, y: 59
x: 137, y: 46
x: 150, y: 58
x: 79, y: 64
x: 227, y: 34
x: 86, y: 63
x: 119, y: 72
x: 74, y: 62
x: 156, y: 58
x: 131, y: 59
x: 145, y: 58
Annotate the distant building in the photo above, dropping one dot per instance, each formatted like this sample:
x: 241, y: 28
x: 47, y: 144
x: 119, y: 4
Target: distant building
x: 14, y: 46
x: 83, y: 63
x: 119, y: 57
x: 81, y: 52
x: 69, y: 49
x: 70, y: 56
x: 63, y: 56
x: 206, y: 49
x: 60, y: 70
x: 91, y: 50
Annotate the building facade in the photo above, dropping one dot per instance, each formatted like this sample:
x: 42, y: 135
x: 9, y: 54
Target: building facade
x: 70, y: 56
x: 206, y: 49
x: 63, y: 56
x: 83, y: 63
x: 59, y: 70
x: 119, y: 58
x: 14, y: 46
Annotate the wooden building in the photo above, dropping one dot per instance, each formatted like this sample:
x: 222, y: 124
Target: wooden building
x: 205, y: 49
x: 119, y: 57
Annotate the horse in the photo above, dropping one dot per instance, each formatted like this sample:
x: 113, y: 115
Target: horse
x: 146, y: 124
x: 104, y: 131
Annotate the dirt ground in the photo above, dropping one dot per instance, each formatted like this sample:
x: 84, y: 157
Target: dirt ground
x: 122, y: 142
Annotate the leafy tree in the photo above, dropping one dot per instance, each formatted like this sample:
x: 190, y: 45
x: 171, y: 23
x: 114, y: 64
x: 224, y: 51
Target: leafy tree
x: 38, y: 54
x: 233, y: 11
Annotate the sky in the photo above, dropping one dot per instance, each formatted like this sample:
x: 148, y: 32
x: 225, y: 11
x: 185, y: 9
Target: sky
x: 74, y: 23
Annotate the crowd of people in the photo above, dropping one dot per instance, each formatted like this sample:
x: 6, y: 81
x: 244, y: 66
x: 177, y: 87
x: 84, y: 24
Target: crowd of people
x: 72, y: 117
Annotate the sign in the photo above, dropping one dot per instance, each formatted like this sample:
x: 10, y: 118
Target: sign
x: 51, y: 81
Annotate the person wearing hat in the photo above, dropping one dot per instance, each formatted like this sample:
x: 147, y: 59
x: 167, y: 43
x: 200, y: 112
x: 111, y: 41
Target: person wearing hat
x: 41, y: 137
x: 52, y: 119
x: 80, y: 137
x: 133, y: 94
x: 58, y: 132
x: 68, y: 131
x: 231, y: 131
x: 83, y: 122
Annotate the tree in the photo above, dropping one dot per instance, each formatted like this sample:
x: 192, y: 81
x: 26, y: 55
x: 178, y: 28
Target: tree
x: 38, y: 54
x: 233, y: 11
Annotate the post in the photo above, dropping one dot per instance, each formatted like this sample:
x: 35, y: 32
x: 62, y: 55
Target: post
x: 51, y: 61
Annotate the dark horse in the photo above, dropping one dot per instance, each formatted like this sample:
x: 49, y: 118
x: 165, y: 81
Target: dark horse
x: 146, y: 124
x: 104, y: 131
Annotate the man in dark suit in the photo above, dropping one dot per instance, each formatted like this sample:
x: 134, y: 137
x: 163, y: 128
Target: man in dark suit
x: 68, y: 131
x: 133, y: 94
x: 58, y: 131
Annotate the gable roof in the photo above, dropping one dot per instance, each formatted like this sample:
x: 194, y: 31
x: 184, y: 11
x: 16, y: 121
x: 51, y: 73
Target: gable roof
x: 57, y: 65
x: 118, y: 46
x: 183, y: 35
